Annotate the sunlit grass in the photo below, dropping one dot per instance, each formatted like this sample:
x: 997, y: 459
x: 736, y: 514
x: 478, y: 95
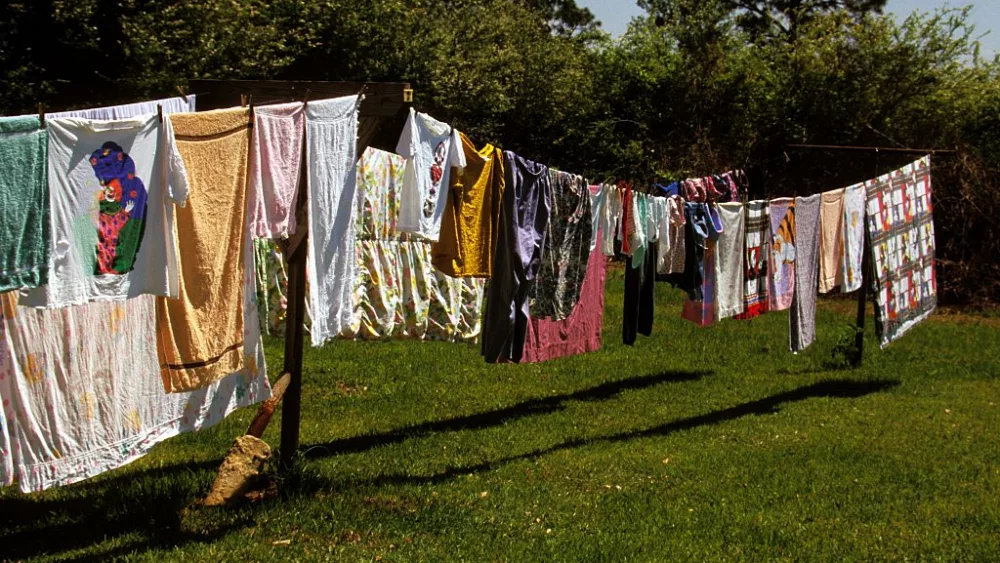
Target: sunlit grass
x: 696, y: 444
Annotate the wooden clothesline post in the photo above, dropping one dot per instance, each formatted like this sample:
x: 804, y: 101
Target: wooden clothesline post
x: 380, y: 121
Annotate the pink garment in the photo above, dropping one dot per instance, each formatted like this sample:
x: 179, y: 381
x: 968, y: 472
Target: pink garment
x: 578, y: 333
x: 275, y: 155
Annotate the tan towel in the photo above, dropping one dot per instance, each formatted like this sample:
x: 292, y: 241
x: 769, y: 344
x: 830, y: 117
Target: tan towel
x: 831, y: 241
x: 200, y: 334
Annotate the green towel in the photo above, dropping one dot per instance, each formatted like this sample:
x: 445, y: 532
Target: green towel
x: 24, y: 211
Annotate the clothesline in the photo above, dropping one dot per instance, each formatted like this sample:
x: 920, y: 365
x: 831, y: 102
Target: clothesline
x: 148, y: 225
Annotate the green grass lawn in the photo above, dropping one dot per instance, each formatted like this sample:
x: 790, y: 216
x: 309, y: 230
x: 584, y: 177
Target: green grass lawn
x: 712, y: 444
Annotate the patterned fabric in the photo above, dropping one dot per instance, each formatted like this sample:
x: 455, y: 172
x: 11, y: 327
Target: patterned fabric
x: 755, y: 259
x: 901, y: 228
x: 781, y: 276
x: 702, y: 312
x: 80, y: 386
x: 671, y: 251
x: 397, y: 292
x: 567, y: 248
x: 272, y: 287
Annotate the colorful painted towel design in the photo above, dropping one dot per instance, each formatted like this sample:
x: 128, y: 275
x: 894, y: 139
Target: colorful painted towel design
x: 901, y: 229
x: 757, y: 252
x: 122, y: 217
x: 781, y: 286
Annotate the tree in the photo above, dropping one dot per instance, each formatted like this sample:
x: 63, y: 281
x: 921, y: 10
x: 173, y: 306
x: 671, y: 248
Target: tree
x: 774, y: 19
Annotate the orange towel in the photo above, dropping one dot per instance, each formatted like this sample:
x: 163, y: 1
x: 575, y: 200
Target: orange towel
x: 200, y: 334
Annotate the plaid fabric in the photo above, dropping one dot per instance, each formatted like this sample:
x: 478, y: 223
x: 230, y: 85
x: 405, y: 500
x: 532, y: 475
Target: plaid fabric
x: 755, y: 259
x: 901, y: 229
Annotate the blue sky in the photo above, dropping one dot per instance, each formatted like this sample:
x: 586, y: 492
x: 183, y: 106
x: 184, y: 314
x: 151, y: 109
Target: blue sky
x: 615, y: 15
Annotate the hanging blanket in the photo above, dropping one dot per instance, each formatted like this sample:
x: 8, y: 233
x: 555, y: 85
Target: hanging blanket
x: 901, y: 229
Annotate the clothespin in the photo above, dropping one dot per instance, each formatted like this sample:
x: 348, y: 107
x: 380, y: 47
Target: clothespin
x: 159, y: 112
x: 180, y: 90
x: 41, y: 114
x: 243, y: 100
x: 305, y: 99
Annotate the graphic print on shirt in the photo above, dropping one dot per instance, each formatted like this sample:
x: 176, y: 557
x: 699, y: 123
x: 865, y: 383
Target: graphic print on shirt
x: 437, y: 172
x: 121, y: 217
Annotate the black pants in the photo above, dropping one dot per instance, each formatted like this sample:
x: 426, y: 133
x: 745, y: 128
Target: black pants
x: 638, y: 314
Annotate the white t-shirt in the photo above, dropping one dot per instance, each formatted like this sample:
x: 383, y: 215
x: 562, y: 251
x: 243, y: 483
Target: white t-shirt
x: 112, y: 188
x: 430, y: 148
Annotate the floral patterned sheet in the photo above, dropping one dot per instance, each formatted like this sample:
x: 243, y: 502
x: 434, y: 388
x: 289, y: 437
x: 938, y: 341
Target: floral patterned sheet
x: 397, y: 293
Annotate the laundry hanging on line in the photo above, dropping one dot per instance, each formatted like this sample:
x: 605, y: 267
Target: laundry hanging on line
x: 105, y: 408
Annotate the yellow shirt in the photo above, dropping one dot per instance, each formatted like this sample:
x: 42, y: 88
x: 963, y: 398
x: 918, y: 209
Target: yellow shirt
x: 469, y: 227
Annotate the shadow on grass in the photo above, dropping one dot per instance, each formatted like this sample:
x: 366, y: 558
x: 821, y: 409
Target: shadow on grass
x: 148, y: 504
x: 479, y: 421
x: 834, y: 388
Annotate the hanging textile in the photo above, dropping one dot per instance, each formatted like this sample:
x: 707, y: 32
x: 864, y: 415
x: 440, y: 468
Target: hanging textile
x: 472, y: 212
x: 398, y: 293
x: 271, y: 287
x: 636, y: 228
x: 597, y: 198
x: 831, y: 240
x: 25, y: 237
x: 523, y: 220
x: 781, y: 278
x: 901, y: 229
x: 200, y: 334
x: 703, y: 311
x: 671, y: 250
x: 706, y: 225
x: 331, y: 137
x: 638, y: 305
x: 431, y: 148
x: 275, y: 164
x: 802, y: 320
x: 567, y: 248
x: 176, y: 104
x: 610, y: 214
x: 113, y: 186
x: 757, y: 252
x: 854, y: 237
x: 578, y: 333
x: 110, y: 408
x: 729, y: 261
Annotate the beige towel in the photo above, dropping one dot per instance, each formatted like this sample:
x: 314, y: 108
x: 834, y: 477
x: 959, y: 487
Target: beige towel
x: 200, y: 334
x: 831, y: 241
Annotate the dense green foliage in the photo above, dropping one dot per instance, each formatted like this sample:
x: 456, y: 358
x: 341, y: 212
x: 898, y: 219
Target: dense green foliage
x: 697, y: 86
x: 712, y: 444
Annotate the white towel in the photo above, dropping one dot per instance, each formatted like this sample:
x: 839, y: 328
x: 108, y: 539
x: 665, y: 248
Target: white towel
x: 729, y: 261
x: 331, y: 139
x: 854, y: 236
